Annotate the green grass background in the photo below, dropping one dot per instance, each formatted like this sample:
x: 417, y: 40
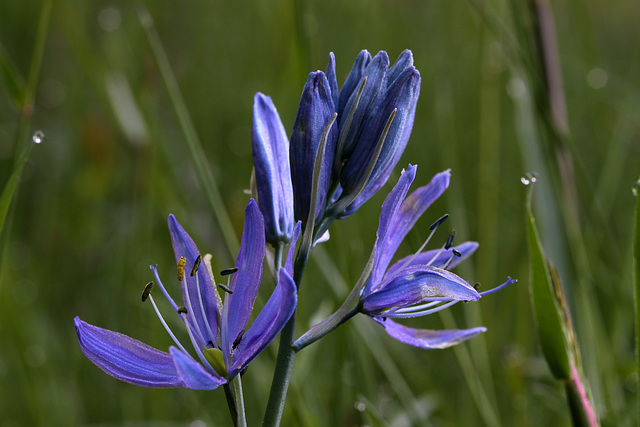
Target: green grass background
x: 89, y: 215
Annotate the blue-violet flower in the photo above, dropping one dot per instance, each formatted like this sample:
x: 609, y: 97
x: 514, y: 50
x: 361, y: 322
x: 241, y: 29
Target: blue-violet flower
x: 217, y: 330
x: 419, y: 284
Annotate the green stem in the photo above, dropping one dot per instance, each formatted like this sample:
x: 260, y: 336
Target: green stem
x: 236, y: 385
x: 233, y: 410
x: 285, y: 359
x: 203, y: 171
x: 313, y: 337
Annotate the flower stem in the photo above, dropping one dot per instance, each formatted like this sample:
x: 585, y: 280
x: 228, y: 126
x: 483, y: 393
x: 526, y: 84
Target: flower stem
x: 236, y: 385
x: 233, y: 411
x: 285, y: 359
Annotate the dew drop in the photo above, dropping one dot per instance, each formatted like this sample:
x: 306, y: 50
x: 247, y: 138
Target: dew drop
x: 529, y: 178
x: 361, y: 406
x: 636, y: 187
x: 38, y: 136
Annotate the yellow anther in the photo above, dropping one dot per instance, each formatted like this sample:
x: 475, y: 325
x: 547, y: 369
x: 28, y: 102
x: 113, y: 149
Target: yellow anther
x: 181, y: 263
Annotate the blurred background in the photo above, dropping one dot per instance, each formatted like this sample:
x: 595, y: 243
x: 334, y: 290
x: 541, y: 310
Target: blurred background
x: 89, y: 213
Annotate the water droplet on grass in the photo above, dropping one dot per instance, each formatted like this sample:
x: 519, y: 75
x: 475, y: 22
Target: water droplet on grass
x: 38, y: 136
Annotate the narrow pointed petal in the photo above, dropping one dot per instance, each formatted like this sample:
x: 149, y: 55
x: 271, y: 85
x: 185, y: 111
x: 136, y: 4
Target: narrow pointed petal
x: 376, y: 83
x: 414, y: 284
x: 314, y: 114
x: 427, y: 338
x: 404, y: 61
x: 246, y: 281
x: 425, y: 258
x: 389, y: 211
x: 267, y: 325
x: 183, y: 246
x: 192, y: 373
x: 351, y: 83
x: 125, y: 358
x: 272, y: 171
x: 404, y: 218
x: 332, y: 79
x: 288, y: 265
x: 401, y: 97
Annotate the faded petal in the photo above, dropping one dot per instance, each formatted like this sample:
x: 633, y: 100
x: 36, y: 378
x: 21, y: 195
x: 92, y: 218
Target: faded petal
x: 435, y: 259
x: 246, y: 281
x: 415, y: 284
x: 127, y: 359
x: 427, y: 338
x: 192, y: 373
x: 273, y: 174
x: 270, y: 321
x: 314, y: 113
x: 402, y: 220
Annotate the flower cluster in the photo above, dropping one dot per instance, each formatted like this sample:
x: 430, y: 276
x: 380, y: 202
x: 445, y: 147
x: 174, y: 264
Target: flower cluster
x: 342, y: 149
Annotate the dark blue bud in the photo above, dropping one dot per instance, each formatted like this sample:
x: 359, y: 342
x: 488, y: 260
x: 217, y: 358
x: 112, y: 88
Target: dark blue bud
x: 314, y: 114
x: 353, y: 80
x: 273, y: 174
x: 401, y: 97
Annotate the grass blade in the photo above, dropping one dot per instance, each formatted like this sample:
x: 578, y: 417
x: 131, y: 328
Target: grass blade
x: 205, y: 176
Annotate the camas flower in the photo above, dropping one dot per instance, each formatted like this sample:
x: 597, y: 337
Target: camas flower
x: 217, y: 330
x: 419, y: 284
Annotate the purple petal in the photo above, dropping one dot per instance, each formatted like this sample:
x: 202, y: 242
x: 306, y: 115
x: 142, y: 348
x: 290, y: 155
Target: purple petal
x: 314, y: 114
x: 183, y: 246
x: 267, y: 325
x: 351, y: 83
x: 333, y: 81
x: 415, y: 284
x: 424, y: 258
x: 427, y: 338
x: 273, y: 174
x: 404, y: 61
x: 403, y: 219
x: 288, y: 265
x: 389, y: 210
x: 246, y: 281
x: 125, y: 358
x: 192, y: 373
x: 375, y: 73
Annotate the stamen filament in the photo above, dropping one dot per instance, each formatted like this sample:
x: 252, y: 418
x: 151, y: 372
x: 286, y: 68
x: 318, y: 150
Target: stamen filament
x: 166, y: 327
x: 191, y: 314
x: 154, y: 268
x: 496, y: 289
x: 196, y: 347
x: 204, y: 315
x: 421, y: 313
x: 418, y: 252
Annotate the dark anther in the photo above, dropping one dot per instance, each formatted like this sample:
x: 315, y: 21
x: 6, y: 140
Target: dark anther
x: 236, y: 342
x: 225, y: 288
x: 476, y: 286
x: 442, y: 219
x: 452, y: 235
x: 228, y: 271
x: 147, y: 291
x: 182, y: 310
x: 196, y: 264
x: 456, y: 252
